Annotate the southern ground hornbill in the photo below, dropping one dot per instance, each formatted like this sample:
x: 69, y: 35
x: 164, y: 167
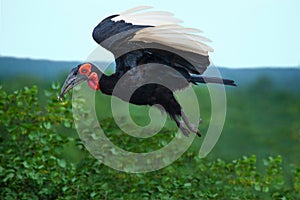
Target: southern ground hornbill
x: 148, y: 45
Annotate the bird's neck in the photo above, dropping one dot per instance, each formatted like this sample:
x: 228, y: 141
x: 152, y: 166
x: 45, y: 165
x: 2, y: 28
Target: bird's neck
x: 107, y: 83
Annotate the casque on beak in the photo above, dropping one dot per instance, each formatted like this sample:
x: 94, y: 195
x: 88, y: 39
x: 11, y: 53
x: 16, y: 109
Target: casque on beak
x: 73, y: 79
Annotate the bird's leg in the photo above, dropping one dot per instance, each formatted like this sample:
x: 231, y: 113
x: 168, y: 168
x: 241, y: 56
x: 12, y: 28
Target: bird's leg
x: 160, y: 108
x: 181, y: 126
x: 192, y: 127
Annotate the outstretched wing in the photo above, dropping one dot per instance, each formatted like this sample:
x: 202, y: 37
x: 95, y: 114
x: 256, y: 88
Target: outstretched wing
x: 138, y: 37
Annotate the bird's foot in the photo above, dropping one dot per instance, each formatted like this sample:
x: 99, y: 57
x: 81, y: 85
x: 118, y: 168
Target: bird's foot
x: 191, y: 127
x: 183, y: 129
x: 194, y: 127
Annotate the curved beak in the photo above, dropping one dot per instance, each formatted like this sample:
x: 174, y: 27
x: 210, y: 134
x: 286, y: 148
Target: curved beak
x: 72, y: 80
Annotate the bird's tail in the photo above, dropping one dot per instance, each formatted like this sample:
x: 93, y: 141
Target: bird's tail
x: 204, y: 79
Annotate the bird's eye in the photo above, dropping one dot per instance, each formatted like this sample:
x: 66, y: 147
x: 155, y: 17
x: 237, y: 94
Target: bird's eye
x: 85, y: 69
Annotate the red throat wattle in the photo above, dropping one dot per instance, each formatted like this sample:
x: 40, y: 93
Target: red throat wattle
x: 93, y: 81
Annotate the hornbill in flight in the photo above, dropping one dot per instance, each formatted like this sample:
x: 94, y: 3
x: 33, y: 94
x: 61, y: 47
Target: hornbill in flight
x: 154, y: 57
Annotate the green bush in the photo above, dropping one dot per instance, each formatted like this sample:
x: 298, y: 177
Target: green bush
x: 42, y: 158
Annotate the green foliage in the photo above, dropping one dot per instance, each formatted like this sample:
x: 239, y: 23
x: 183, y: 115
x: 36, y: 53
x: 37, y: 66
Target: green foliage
x: 42, y: 158
x: 31, y: 145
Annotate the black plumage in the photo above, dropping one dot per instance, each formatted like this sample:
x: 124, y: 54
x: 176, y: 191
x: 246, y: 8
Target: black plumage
x: 153, y: 58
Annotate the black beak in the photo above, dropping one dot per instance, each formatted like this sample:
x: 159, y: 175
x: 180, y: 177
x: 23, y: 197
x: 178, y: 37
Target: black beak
x: 72, y: 80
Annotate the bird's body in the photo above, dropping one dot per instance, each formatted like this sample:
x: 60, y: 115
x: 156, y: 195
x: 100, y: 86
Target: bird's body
x: 154, y: 57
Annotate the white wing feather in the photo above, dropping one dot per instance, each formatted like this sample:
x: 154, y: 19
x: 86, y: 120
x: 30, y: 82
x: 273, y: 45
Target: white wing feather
x: 150, y: 18
x: 165, y: 30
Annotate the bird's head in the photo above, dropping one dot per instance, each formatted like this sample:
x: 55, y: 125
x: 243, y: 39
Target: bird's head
x: 83, y: 72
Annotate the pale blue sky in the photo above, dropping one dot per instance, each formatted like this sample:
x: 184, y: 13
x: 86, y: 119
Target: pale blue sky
x: 245, y: 33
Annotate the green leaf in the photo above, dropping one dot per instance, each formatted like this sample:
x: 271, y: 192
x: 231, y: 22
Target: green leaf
x: 47, y: 125
x: 25, y: 164
x: 67, y: 124
x: 257, y: 187
x: 55, y: 86
x: 64, y: 189
x: 12, y: 128
x: 187, y: 185
x: 160, y: 188
x: 265, y: 189
x: 8, y: 176
x: 93, y: 194
x: 61, y: 163
x: 48, y: 93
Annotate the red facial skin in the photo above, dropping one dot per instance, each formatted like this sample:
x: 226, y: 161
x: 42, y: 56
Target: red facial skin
x: 93, y: 80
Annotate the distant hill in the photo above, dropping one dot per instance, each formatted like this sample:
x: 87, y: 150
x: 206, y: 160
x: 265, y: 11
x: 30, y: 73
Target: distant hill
x: 281, y: 78
x: 44, y: 69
